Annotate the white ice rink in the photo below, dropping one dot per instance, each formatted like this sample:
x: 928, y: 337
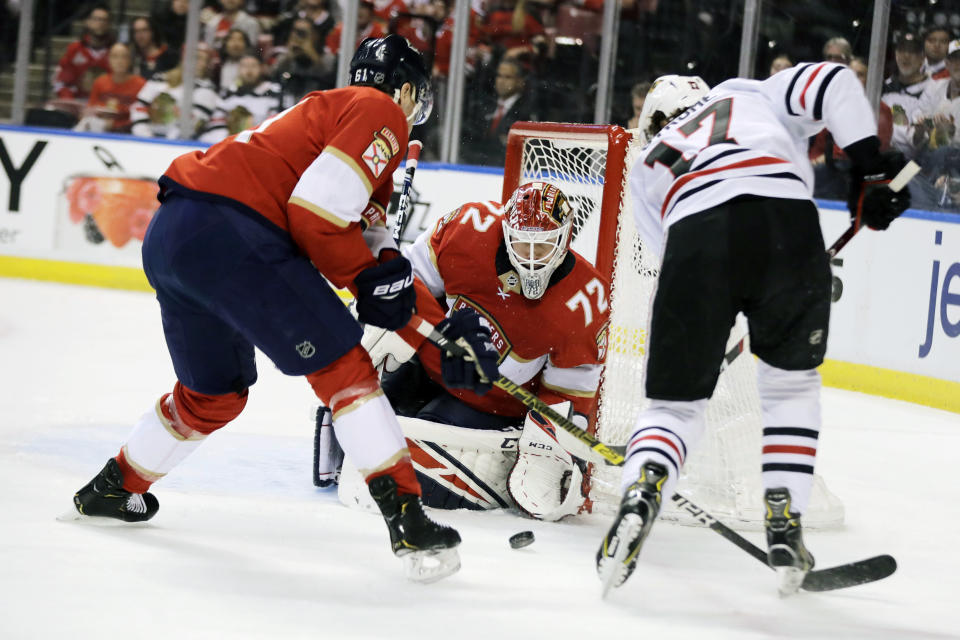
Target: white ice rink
x: 245, y: 547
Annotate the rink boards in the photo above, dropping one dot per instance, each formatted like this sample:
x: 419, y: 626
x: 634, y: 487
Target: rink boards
x: 73, y: 208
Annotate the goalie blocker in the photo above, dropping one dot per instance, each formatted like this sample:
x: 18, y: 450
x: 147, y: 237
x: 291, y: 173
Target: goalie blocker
x: 478, y: 469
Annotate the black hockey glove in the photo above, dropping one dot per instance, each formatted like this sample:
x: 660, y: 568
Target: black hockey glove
x: 385, y: 294
x: 871, y: 201
x: 478, y: 370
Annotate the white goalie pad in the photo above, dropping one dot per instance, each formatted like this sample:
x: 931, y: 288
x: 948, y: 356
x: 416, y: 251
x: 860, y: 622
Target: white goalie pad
x: 458, y: 468
x: 546, y: 483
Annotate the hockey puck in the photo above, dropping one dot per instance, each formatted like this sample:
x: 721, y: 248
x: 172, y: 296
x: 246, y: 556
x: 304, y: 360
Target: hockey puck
x: 521, y: 540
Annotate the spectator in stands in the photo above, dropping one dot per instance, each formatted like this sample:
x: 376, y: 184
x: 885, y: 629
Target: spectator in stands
x: 85, y: 58
x: 151, y: 55
x: 113, y: 93
x: 780, y: 63
x: 247, y: 102
x: 935, y: 43
x: 171, y: 21
x: 486, y: 141
x: 513, y: 29
x: 156, y: 113
x: 902, y: 90
x: 837, y: 50
x: 317, y: 11
x: 231, y: 17
x: 367, y: 27
x: 235, y: 46
x: 419, y: 25
x: 831, y: 167
x: 938, y: 110
x: 638, y: 95
x: 937, y: 139
x: 387, y: 10
x: 477, y: 51
x: 303, y: 67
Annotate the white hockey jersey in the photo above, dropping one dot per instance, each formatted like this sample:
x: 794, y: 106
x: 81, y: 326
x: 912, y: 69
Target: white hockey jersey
x: 745, y: 137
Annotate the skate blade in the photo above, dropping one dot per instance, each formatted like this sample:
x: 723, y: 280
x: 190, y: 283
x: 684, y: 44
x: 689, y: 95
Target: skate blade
x: 613, y: 571
x: 429, y: 566
x: 790, y: 580
x: 72, y: 515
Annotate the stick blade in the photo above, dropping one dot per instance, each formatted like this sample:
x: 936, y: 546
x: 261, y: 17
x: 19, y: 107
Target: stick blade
x: 850, y: 575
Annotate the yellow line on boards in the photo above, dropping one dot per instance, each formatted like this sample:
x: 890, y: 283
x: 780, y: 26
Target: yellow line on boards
x: 94, y: 275
x: 97, y: 275
x: 912, y: 387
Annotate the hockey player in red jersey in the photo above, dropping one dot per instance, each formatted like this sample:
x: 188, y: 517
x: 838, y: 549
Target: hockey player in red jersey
x: 238, y: 252
x: 548, y: 313
x: 724, y: 187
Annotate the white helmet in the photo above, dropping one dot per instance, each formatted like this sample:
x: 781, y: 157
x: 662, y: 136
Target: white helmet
x: 669, y: 97
x: 537, y: 221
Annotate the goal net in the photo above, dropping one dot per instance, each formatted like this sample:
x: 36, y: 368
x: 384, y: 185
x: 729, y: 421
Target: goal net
x: 590, y: 164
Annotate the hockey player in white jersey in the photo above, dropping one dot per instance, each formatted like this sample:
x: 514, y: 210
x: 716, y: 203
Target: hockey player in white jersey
x: 723, y: 192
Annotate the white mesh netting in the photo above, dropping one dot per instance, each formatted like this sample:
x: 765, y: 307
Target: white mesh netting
x: 723, y: 474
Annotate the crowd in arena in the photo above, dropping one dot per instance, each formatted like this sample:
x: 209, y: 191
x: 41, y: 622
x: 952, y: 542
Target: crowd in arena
x: 257, y: 57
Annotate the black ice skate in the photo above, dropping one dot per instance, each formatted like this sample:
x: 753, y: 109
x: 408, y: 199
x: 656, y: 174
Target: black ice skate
x: 786, y: 552
x: 104, y: 496
x: 618, y: 552
x: 428, y: 549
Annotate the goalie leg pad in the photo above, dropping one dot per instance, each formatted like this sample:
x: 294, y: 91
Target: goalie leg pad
x: 458, y: 467
x: 546, y: 480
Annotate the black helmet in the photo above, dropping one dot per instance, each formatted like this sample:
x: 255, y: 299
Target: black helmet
x: 389, y: 62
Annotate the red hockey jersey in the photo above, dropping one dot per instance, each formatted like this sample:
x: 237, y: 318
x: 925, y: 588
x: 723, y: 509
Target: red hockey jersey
x: 321, y: 170
x: 554, y: 346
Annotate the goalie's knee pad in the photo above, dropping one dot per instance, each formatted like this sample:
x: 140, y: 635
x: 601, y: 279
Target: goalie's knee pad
x: 546, y: 481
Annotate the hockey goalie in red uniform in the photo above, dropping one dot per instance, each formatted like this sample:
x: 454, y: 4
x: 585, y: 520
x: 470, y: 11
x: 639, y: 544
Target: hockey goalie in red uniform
x: 547, y: 311
x: 238, y: 252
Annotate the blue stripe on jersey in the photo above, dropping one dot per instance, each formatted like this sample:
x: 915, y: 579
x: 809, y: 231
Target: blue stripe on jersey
x: 690, y: 192
x: 818, y: 104
x: 728, y: 152
x: 793, y: 83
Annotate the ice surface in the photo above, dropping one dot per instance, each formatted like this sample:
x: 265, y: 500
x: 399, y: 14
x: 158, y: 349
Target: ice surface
x: 245, y: 547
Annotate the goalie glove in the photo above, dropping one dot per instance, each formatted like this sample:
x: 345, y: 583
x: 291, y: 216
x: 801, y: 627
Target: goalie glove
x: 546, y: 481
x: 871, y: 201
x: 386, y: 348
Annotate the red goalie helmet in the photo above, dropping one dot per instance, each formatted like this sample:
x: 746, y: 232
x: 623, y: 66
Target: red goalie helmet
x: 537, y: 221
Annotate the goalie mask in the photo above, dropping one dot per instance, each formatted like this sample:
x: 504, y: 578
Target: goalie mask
x: 669, y: 97
x: 389, y: 63
x: 537, y: 222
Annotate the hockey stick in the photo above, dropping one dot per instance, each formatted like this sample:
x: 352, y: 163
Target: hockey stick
x: 586, y: 441
x: 836, y: 577
x: 403, y: 206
